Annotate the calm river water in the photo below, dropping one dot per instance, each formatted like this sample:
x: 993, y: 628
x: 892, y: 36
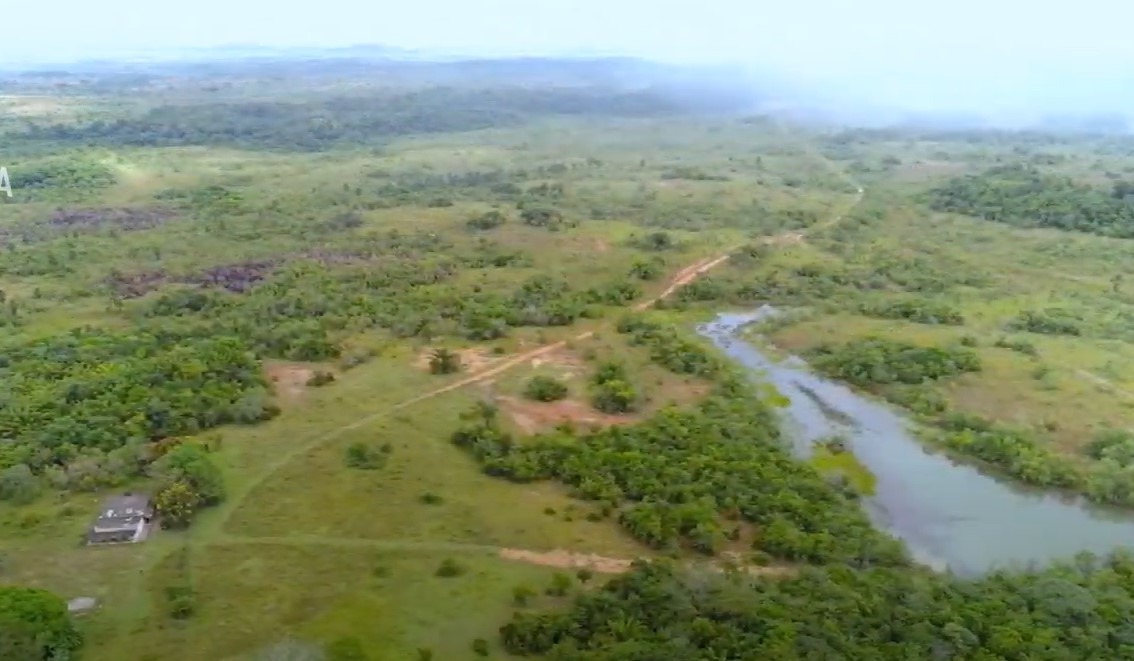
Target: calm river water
x: 950, y: 515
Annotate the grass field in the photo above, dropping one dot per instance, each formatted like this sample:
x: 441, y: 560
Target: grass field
x: 302, y: 546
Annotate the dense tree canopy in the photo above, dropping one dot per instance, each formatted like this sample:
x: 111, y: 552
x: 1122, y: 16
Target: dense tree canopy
x: 1081, y: 610
x: 35, y: 626
x: 81, y: 407
x: 1022, y: 195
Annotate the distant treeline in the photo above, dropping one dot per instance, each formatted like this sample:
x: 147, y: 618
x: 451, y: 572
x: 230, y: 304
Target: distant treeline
x: 326, y: 123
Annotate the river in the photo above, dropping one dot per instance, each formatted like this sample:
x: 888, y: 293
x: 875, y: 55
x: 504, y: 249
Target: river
x: 949, y: 514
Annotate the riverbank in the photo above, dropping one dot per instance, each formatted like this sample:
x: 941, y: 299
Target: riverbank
x: 950, y: 514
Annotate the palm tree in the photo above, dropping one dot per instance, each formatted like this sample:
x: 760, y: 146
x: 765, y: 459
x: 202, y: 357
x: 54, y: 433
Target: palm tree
x: 444, y: 361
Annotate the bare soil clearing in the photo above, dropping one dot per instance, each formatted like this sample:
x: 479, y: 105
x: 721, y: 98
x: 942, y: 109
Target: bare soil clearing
x: 566, y: 362
x: 289, y: 379
x: 569, y: 560
x: 534, y: 417
x: 561, y: 559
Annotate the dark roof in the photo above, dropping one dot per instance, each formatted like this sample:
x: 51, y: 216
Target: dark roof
x: 125, y: 507
x: 122, y: 513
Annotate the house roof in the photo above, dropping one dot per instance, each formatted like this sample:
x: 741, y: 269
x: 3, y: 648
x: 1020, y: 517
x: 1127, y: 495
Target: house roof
x: 124, y: 508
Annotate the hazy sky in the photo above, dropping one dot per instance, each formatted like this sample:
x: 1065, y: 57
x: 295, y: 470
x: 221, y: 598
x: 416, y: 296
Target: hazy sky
x: 830, y: 32
x: 895, y: 45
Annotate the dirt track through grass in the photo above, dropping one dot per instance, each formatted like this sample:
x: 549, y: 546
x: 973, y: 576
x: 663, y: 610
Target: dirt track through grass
x: 680, y: 279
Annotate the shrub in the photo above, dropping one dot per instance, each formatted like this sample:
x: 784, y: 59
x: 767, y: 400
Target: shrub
x: 449, y: 568
x: 181, y: 602
x: 321, y: 378
x: 1019, y: 346
x: 560, y: 584
x: 480, y: 647
x: 521, y: 594
x: 615, y: 397
x: 365, y: 457
x: 1052, y: 321
x: 486, y: 221
x: 19, y: 485
x: 430, y: 498
x: 545, y: 389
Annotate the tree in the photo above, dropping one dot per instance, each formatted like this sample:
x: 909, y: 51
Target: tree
x: 444, y: 361
x: 177, y: 503
x: 190, y: 463
x: 35, y: 626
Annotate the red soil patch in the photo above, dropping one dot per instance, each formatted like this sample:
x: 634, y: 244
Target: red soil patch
x: 533, y: 417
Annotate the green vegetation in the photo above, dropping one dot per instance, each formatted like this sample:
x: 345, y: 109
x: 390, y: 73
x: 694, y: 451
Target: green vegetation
x: 78, y: 416
x: 877, y: 361
x: 189, y: 482
x: 545, y: 389
x: 658, y: 612
x: 1047, y: 322
x: 916, y: 310
x: 612, y: 391
x: 839, y: 465
x: 362, y: 281
x: 366, y: 457
x: 444, y: 361
x: 642, y: 476
x: 35, y: 625
x: 1023, y: 195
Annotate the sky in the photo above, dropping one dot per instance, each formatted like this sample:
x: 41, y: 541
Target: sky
x: 893, y: 48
